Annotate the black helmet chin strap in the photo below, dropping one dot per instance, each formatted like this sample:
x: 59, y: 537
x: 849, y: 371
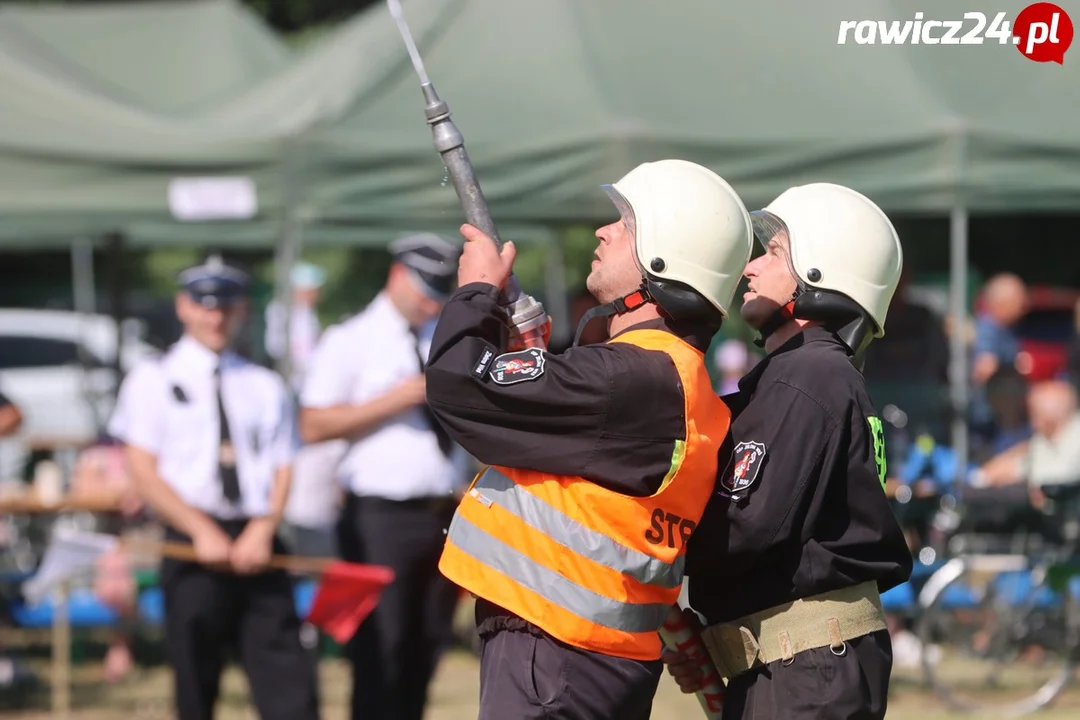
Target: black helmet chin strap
x: 616, y: 307
x: 780, y: 317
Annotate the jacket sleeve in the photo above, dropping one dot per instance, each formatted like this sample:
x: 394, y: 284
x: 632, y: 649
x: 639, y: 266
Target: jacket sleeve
x: 610, y: 413
x: 544, y: 416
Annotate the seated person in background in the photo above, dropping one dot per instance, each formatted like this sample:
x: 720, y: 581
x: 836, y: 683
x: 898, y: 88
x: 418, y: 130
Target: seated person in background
x: 12, y: 672
x: 996, y: 343
x: 1006, y: 394
x: 100, y: 472
x: 1051, y: 456
x: 929, y: 466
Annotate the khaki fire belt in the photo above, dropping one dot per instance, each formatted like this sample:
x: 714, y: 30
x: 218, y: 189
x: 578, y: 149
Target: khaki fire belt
x: 782, y: 632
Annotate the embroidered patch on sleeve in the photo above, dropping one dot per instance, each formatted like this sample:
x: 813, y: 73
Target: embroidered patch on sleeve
x: 877, y: 431
x: 516, y: 367
x: 482, y: 363
x: 745, y: 465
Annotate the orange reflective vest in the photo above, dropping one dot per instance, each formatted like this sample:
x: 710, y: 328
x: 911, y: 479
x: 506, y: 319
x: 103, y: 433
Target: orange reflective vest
x: 594, y: 568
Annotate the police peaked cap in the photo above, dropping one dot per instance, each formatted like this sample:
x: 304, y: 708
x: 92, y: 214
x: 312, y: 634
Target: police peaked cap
x: 214, y: 284
x: 432, y: 260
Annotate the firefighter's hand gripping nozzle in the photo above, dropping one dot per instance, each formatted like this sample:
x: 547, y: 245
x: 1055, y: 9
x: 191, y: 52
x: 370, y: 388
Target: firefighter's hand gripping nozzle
x: 527, y: 320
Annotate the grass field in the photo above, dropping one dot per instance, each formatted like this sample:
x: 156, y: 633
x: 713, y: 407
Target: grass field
x: 146, y: 695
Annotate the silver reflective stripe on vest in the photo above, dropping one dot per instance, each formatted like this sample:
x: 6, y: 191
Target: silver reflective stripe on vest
x: 563, y: 529
x: 552, y: 586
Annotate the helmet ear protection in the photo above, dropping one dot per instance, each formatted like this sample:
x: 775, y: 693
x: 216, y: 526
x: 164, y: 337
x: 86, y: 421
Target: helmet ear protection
x: 839, y: 314
x: 683, y: 304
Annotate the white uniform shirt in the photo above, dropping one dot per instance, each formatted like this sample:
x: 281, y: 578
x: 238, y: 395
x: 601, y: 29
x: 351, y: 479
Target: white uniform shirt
x: 356, y: 362
x: 168, y: 407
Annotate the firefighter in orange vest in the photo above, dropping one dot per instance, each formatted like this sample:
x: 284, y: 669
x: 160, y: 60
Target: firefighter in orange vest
x: 600, y: 459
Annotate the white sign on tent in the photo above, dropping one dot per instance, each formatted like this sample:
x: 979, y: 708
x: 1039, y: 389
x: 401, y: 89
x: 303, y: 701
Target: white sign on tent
x: 212, y: 198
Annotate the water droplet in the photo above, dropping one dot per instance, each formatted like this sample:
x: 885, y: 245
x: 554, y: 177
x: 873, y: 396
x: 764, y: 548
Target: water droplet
x: 445, y: 177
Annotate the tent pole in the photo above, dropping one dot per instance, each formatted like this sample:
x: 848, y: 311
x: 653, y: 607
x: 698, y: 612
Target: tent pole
x: 115, y: 264
x: 958, y: 365
x: 82, y: 276
x: 287, y: 251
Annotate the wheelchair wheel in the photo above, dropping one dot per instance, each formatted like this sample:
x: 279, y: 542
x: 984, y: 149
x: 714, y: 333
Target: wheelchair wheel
x: 999, y: 634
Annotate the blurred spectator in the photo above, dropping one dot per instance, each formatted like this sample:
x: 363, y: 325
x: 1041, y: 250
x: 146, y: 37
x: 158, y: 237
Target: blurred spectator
x: 996, y: 344
x: 309, y: 525
x: 733, y: 360
x: 311, y: 513
x: 303, y: 328
x: 101, y: 472
x: 1006, y: 396
x: 1052, y: 455
x: 402, y: 473
x: 914, y: 349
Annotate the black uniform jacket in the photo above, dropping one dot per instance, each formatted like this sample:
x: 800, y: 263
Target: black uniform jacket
x: 800, y: 506
x: 609, y: 413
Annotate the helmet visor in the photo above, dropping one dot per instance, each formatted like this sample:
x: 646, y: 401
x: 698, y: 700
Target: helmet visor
x: 626, y: 212
x: 769, y: 229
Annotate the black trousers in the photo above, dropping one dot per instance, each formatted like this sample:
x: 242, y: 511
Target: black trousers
x: 396, y: 650
x: 210, y: 613
x: 533, y: 676
x: 818, y: 684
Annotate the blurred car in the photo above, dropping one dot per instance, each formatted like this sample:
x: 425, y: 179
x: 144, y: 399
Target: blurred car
x: 1045, y: 333
x: 58, y: 367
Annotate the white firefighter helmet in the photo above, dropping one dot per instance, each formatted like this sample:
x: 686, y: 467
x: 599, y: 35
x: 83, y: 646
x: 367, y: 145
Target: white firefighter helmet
x: 690, y: 229
x: 841, y: 242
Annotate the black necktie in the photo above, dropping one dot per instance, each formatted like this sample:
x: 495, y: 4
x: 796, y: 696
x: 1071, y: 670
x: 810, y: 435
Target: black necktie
x: 230, y: 481
x: 445, y: 443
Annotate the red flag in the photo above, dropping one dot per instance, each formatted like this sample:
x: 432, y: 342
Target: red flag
x: 347, y: 594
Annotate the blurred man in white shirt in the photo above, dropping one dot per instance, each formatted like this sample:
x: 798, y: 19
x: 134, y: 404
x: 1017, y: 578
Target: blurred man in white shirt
x: 366, y: 386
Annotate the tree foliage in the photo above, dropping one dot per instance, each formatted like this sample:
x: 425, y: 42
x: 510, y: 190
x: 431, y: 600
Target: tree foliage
x: 286, y: 16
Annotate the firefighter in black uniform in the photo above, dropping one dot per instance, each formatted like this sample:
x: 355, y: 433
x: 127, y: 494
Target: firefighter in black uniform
x: 799, y: 539
x: 601, y: 458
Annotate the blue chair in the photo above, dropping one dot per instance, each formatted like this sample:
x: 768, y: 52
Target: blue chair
x: 959, y: 595
x: 899, y: 599
x: 151, y: 606
x: 84, y: 611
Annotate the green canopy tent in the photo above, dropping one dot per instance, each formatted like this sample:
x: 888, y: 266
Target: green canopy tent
x: 553, y: 100
x: 106, y: 105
